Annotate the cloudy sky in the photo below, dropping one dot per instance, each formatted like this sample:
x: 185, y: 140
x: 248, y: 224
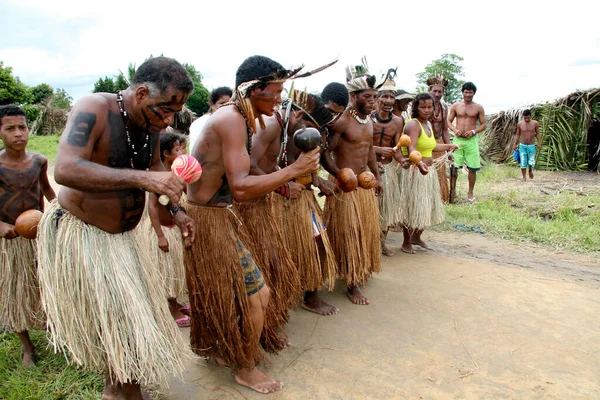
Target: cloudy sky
x: 516, y: 52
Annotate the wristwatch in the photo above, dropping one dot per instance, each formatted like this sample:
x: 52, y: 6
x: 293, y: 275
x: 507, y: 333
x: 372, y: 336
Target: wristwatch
x: 176, y: 208
x: 474, y: 132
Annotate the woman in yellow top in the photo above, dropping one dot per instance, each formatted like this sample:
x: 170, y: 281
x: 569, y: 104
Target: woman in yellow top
x: 420, y: 190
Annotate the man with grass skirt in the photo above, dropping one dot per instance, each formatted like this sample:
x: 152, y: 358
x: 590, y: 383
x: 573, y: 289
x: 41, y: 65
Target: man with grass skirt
x: 228, y: 294
x: 352, y: 217
x: 439, y: 122
x: 106, y: 309
x: 296, y: 209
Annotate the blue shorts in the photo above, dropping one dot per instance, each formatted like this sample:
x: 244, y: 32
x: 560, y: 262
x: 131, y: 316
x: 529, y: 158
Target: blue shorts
x: 527, y: 154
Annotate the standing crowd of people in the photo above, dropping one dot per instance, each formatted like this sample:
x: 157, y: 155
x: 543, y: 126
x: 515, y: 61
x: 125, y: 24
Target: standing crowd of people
x: 246, y: 242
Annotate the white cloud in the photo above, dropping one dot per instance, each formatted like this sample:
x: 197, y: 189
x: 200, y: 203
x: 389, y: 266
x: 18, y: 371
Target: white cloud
x: 516, y: 52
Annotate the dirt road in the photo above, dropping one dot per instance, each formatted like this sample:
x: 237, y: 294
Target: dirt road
x: 476, y: 318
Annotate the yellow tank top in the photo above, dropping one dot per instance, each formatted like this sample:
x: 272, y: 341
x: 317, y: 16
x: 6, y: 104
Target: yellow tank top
x: 425, y: 144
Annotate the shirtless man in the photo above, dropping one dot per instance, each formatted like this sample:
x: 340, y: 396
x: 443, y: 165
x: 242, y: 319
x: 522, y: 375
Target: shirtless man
x: 23, y: 186
x: 311, y: 251
x: 220, y: 260
x: 527, y: 131
x: 387, y: 129
x: 467, y: 113
x: 104, y: 306
x: 352, y: 218
x: 439, y: 122
x: 403, y: 99
x: 336, y: 97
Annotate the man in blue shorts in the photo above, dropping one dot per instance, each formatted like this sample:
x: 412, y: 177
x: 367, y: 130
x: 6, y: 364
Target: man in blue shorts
x: 527, y: 131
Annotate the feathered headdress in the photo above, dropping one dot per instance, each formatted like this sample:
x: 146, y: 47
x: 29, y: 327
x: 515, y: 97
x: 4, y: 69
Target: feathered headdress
x: 437, y: 79
x: 358, y: 78
x: 387, y: 81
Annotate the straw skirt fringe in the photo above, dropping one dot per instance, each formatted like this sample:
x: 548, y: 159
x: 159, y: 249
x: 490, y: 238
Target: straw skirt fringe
x: 313, y: 256
x: 169, y: 264
x: 105, y: 308
x: 420, y: 195
x: 352, y: 221
x: 20, y: 309
x: 221, y: 324
x: 441, y: 172
x: 389, y: 203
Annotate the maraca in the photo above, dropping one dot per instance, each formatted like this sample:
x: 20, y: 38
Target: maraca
x: 187, y: 168
x: 27, y: 223
x: 306, y: 139
x: 403, y: 142
x: 366, y: 180
x: 347, y: 180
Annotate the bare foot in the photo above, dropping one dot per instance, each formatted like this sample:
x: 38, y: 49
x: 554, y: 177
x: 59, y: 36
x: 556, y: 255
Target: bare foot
x: 407, y: 248
x: 386, y: 251
x: 113, y: 392
x: 221, y: 361
x: 530, y: 174
x: 420, y: 242
x: 258, y: 381
x: 29, y: 358
x: 523, y: 179
x: 356, y: 296
x: 312, y: 302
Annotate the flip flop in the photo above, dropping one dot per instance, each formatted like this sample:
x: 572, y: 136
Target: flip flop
x: 461, y: 227
x: 185, y: 309
x: 471, y: 200
x: 184, y: 322
x: 477, y: 229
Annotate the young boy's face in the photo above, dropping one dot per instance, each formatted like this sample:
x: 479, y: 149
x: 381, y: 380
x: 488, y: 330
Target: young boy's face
x: 14, y: 132
x: 171, y: 155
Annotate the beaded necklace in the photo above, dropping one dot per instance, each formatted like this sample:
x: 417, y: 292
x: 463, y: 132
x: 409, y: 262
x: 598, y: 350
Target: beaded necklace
x: 359, y: 119
x: 130, y: 145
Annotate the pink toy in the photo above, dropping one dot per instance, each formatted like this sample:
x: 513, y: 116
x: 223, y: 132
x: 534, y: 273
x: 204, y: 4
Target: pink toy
x: 186, y: 167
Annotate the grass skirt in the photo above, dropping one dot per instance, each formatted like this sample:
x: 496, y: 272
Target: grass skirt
x: 389, y: 203
x: 441, y: 172
x: 352, y: 221
x: 221, y: 324
x: 315, y: 261
x: 20, y: 309
x: 420, y: 195
x: 170, y: 264
x: 104, y: 306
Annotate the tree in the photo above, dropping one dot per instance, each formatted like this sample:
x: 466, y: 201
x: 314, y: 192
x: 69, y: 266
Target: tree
x: 121, y: 83
x: 198, y: 101
x: 41, y: 93
x: 448, y: 66
x: 61, y: 99
x: 104, y: 85
x: 12, y: 90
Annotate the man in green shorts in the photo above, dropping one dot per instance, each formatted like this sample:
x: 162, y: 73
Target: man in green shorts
x: 467, y: 113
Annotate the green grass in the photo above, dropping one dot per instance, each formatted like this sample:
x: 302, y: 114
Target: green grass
x: 50, y: 379
x: 563, y: 221
x: 46, y: 145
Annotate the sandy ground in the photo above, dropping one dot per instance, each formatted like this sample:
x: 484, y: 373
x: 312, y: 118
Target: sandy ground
x: 474, y: 318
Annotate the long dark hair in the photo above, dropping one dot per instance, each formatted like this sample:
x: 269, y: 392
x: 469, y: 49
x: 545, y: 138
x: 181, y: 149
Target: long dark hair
x: 414, y: 112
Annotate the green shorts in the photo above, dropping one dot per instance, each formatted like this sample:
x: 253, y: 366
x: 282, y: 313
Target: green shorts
x: 467, y: 153
x: 252, y: 276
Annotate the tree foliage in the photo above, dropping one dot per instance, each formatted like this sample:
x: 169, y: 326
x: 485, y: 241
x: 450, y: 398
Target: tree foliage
x: 41, y: 93
x: 104, y: 85
x: 448, y: 66
x: 12, y: 90
x: 61, y: 99
x: 199, y: 100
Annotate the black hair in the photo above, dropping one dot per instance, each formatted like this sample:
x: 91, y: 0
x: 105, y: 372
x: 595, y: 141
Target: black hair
x: 164, y: 72
x: 255, y: 67
x: 11, y: 110
x: 469, y: 86
x: 336, y: 93
x: 414, y: 112
x: 320, y: 113
x: 167, y: 142
x: 219, y: 92
x: 527, y: 113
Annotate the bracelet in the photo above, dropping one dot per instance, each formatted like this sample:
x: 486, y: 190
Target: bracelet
x: 474, y: 132
x: 175, y: 209
x: 284, y: 190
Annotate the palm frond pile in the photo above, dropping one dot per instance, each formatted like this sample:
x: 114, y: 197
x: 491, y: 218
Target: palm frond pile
x: 564, y: 126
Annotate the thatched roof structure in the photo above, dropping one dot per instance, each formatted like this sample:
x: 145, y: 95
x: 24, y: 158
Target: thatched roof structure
x: 570, y: 129
x: 50, y: 121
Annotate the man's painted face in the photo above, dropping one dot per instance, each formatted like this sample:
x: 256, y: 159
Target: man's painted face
x: 437, y: 92
x: 267, y: 101
x: 468, y: 95
x: 222, y: 100
x: 386, y: 101
x: 365, y: 101
x: 14, y: 132
x: 336, y: 111
x: 159, y: 112
x: 425, y: 109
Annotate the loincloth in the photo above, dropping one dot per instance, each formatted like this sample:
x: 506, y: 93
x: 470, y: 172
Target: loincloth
x: 104, y: 306
x: 352, y: 221
x: 420, y: 195
x: 442, y: 176
x: 20, y: 309
x: 221, y: 323
x: 169, y: 264
x: 307, y: 239
x: 389, y: 202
